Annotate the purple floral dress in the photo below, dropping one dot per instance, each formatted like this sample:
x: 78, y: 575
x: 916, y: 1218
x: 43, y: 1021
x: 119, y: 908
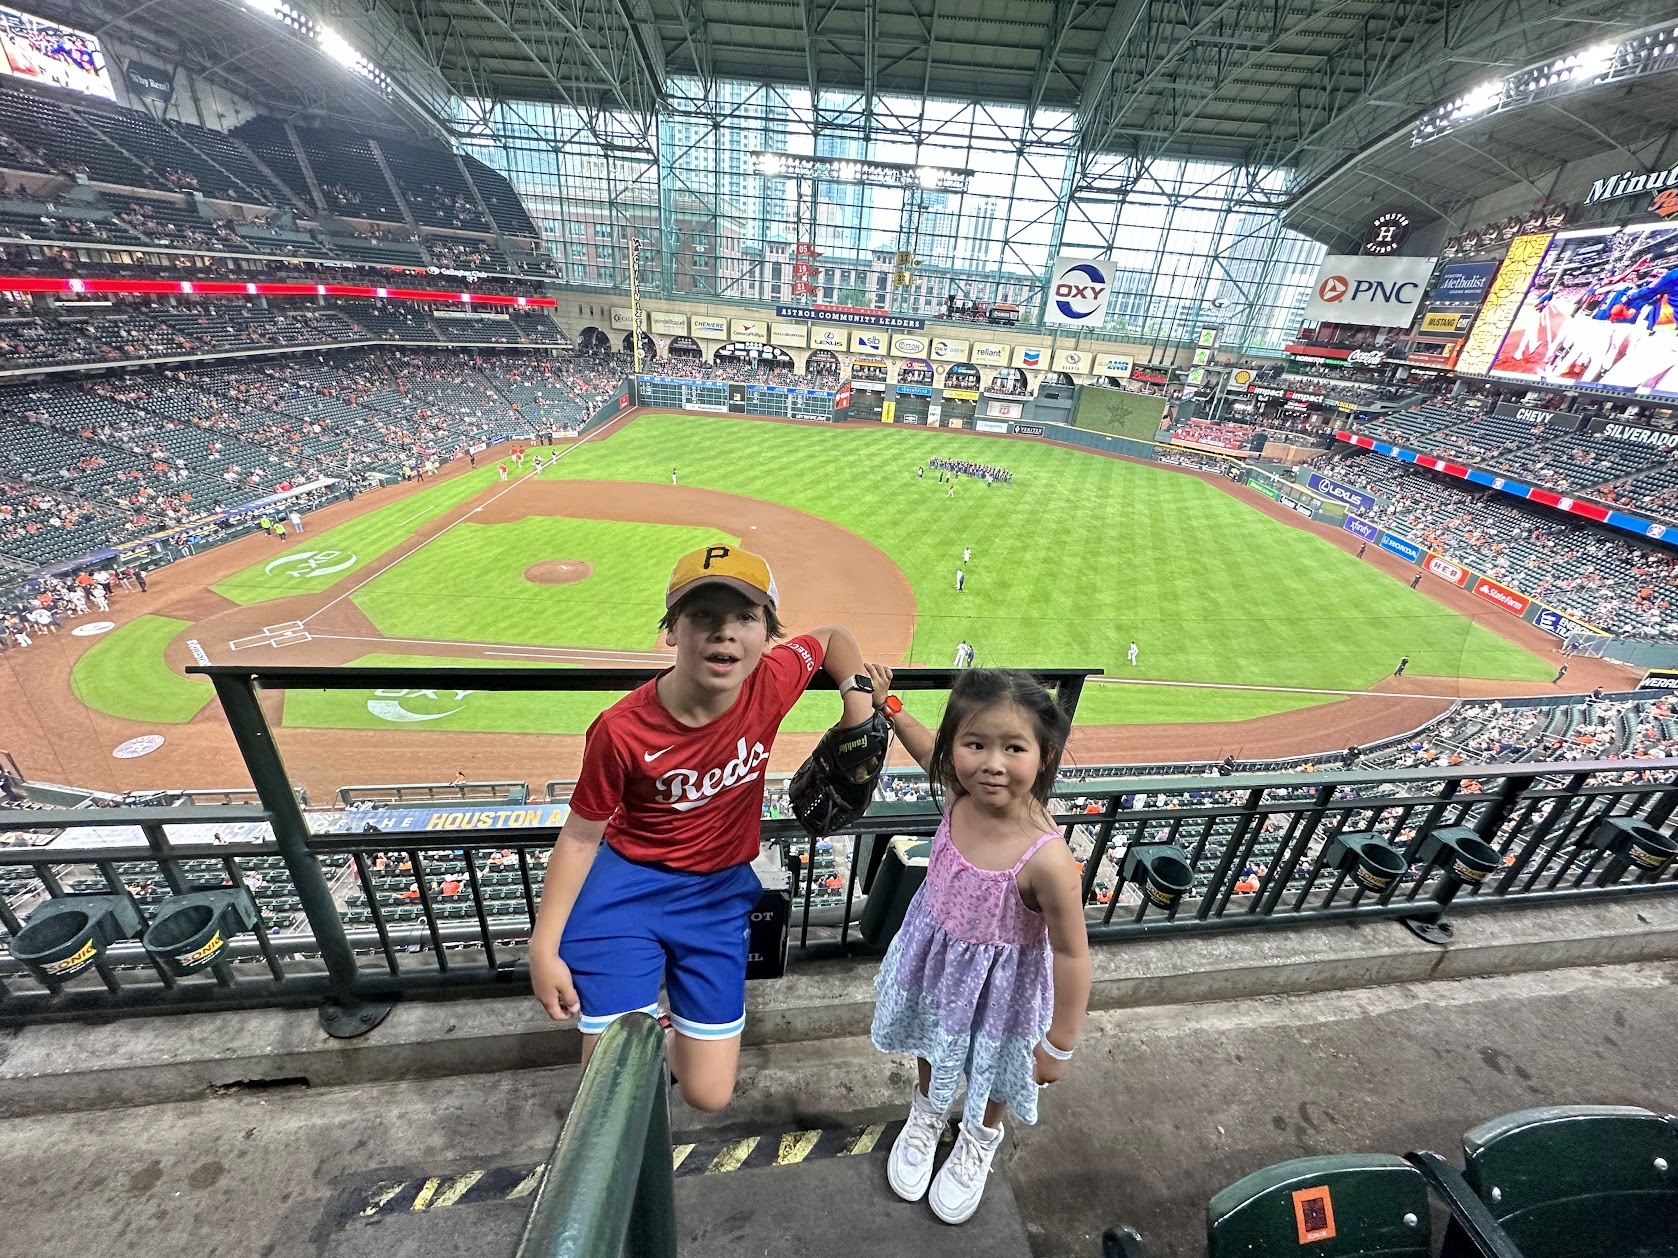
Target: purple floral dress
x: 968, y: 984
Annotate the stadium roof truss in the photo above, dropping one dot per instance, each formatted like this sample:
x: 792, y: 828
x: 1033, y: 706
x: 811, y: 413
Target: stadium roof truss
x: 1326, y: 90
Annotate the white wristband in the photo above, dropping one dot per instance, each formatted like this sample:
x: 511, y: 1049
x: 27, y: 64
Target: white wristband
x: 1059, y: 1054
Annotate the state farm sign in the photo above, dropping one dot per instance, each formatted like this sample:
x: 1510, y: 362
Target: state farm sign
x: 1377, y: 292
x: 1502, y: 595
x: 1445, y: 570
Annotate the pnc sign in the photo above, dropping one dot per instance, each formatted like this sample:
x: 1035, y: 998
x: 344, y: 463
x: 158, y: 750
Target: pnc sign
x: 1371, y: 291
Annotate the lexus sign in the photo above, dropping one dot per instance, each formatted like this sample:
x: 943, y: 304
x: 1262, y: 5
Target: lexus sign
x: 1376, y: 292
x: 1078, y: 293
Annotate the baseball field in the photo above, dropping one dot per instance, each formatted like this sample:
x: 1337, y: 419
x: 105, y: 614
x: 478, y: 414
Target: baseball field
x: 1246, y: 618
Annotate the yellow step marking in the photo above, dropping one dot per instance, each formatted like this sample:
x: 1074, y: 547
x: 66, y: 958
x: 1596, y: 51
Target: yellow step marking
x: 455, y: 1191
x: 679, y: 1154
x: 865, y: 1141
x: 527, y: 1185
x: 732, y: 1155
x: 795, y: 1147
x: 425, y: 1192
x: 381, y: 1196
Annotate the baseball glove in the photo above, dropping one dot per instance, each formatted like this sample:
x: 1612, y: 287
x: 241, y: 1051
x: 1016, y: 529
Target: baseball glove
x: 834, y: 786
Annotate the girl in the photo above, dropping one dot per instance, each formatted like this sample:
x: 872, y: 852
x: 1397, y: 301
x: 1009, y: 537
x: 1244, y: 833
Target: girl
x: 990, y: 975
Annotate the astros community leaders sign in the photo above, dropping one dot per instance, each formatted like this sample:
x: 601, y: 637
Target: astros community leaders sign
x: 1377, y: 292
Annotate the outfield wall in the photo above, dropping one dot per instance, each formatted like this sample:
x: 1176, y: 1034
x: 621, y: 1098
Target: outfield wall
x: 1118, y: 413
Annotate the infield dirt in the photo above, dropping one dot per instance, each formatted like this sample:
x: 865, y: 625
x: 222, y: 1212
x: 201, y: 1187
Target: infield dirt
x: 827, y: 575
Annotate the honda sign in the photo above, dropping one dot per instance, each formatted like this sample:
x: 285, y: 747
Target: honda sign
x: 1078, y: 292
x: 1377, y: 292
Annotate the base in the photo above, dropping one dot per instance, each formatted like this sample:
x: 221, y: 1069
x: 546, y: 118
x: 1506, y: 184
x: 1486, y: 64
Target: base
x: 1439, y: 932
x: 344, y: 1020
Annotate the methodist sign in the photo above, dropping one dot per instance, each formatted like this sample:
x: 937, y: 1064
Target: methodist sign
x: 1376, y: 292
x: 1078, y: 292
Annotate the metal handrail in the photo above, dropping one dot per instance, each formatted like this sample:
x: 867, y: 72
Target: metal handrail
x: 609, y: 1188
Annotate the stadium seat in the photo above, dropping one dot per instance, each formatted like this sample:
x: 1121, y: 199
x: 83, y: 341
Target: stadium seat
x: 1579, y: 1181
x: 1342, y: 1205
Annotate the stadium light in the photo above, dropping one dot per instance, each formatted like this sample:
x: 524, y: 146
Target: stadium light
x: 859, y: 170
x: 338, y: 48
x: 1652, y: 50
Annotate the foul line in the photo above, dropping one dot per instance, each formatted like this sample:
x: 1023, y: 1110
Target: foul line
x: 532, y: 652
x: 514, y: 484
x: 1281, y: 690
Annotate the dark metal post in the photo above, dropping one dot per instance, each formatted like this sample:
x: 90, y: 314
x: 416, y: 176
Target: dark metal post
x: 345, y: 1014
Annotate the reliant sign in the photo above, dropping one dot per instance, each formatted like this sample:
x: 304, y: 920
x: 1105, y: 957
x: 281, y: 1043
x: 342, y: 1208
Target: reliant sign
x: 1628, y: 183
x: 1374, y: 292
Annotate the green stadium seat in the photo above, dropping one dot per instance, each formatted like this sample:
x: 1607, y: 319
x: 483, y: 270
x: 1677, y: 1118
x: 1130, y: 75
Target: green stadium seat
x: 1340, y: 1205
x: 1579, y: 1181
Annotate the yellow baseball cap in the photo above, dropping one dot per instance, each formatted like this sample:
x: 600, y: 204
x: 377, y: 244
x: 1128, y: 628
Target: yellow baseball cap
x: 721, y: 564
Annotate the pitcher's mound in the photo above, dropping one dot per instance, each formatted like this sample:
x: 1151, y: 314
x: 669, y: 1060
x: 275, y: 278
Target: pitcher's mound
x: 558, y: 571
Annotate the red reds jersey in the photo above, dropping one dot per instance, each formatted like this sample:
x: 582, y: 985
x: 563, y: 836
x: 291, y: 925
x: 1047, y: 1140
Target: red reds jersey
x: 690, y: 797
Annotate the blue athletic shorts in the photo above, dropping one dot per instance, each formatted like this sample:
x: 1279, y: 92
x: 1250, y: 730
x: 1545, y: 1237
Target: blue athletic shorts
x: 636, y: 926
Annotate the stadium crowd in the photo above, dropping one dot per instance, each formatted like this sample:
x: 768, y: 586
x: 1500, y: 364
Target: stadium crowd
x: 1577, y: 569
x: 88, y: 464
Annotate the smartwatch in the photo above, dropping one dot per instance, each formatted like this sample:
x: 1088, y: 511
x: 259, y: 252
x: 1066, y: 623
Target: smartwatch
x: 857, y: 681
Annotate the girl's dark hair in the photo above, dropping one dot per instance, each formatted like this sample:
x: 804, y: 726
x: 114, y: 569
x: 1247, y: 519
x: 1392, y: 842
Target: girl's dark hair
x: 771, y: 622
x: 981, y: 688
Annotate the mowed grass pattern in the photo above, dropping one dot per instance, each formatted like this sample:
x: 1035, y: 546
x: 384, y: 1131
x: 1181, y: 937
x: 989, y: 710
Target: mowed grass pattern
x: 124, y: 674
x: 366, y: 537
x: 502, y: 712
x: 1077, y: 557
x: 469, y: 585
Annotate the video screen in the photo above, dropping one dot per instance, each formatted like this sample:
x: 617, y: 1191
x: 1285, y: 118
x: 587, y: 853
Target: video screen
x: 1602, y: 310
x: 34, y: 48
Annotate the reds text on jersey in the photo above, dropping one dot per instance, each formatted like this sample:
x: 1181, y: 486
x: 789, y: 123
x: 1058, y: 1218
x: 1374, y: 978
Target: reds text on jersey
x: 688, y: 797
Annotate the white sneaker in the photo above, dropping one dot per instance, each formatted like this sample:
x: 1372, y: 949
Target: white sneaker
x: 961, y: 1182
x: 909, y: 1169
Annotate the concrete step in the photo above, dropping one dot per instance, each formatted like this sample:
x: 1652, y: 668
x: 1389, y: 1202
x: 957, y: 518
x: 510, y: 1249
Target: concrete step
x: 1163, y: 1107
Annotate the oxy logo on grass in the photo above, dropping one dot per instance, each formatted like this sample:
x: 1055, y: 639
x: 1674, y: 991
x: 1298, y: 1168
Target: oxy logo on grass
x: 310, y: 565
x: 407, y: 707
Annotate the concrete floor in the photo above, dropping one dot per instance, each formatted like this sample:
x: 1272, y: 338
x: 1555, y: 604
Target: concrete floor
x: 1163, y: 1108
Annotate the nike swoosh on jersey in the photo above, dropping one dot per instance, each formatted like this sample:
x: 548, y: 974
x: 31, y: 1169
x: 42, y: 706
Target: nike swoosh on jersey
x: 650, y: 756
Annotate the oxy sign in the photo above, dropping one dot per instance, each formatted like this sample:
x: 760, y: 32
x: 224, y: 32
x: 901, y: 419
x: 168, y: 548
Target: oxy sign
x: 1376, y: 292
x: 1078, y: 293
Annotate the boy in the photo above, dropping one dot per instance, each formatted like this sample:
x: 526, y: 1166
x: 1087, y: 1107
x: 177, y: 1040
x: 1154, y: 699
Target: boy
x: 672, y: 780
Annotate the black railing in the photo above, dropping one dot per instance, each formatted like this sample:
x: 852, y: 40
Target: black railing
x: 357, y: 919
x: 609, y: 1188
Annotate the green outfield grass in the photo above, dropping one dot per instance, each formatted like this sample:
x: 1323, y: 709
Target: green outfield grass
x: 469, y: 586
x: 1077, y: 557
x: 123, y: 674
x: 360, y: 541
x: 504, y: 712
